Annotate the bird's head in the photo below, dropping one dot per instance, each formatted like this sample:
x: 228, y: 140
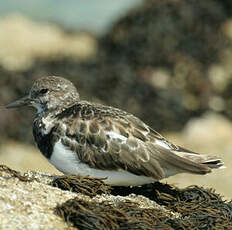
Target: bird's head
x: 48, y: 93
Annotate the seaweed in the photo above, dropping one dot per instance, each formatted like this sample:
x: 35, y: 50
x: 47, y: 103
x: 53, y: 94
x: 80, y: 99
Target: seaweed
x: 85, y: 185
x: 198, y: 208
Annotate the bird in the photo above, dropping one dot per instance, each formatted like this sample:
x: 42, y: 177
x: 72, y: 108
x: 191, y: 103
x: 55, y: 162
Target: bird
x: 88, y: 139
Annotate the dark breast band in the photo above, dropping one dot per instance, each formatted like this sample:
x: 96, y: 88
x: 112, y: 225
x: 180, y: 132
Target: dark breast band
x: 45, y: 142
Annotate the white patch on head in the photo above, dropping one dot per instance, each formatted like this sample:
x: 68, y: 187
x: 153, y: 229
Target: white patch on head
x: 68, y: 162
x: 115, y: 136
x: 162, y: 144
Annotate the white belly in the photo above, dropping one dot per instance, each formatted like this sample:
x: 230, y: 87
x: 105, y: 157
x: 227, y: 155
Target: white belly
x: 68, y: 162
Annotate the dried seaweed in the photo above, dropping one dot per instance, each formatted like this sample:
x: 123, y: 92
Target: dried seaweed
x: 199, y: 208
x: 14, y: 173
x: 85, y: 185
x: 106, y: 215
x: 161, y: 193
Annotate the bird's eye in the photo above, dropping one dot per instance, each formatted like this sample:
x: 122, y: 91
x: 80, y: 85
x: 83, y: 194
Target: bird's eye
x: 43, y: 91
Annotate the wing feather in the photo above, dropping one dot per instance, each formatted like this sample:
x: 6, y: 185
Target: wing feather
x: 111, y: 139
x: 113, y: 143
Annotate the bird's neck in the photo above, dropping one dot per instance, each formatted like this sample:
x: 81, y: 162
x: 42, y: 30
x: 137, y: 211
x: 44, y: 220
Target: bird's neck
x: 52, y: 110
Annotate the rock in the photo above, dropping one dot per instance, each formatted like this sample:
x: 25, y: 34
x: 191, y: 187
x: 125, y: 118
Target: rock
x: 29, y: 204
x: 29, y: 201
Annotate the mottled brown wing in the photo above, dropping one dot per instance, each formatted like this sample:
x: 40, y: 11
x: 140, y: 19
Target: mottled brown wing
x: 110, y: 139
x: 112, y: 143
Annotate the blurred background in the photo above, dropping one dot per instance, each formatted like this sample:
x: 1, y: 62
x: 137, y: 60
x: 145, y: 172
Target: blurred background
x: 169, y: 62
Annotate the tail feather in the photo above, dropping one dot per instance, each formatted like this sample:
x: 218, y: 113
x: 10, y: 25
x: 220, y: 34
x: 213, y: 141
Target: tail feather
x: 174, y: 162
x: 212, y: 162
x: 216, y: 164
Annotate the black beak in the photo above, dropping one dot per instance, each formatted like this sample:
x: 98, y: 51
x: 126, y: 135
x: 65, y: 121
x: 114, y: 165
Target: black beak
x: 25, y: 101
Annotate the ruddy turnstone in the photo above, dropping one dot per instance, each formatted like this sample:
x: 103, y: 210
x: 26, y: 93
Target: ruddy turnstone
x: 79, y: 137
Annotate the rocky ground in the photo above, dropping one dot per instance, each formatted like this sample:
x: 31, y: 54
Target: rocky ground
x: 38, y: 201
